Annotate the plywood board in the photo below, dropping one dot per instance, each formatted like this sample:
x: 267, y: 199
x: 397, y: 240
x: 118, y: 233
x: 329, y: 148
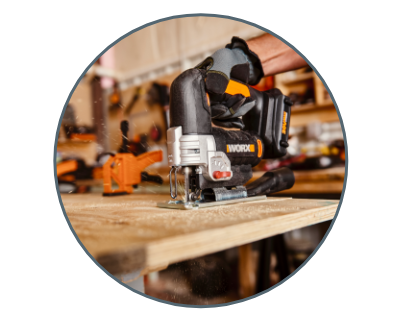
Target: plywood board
x: 128, y: 233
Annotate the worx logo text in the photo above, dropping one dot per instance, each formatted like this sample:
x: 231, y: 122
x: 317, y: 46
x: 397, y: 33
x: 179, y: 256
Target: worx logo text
x: 240, y: 148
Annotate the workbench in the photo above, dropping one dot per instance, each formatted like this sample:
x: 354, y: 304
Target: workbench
x: 129, y: 235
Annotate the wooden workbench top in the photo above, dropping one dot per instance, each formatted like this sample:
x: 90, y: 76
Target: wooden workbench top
x: 130, y: 233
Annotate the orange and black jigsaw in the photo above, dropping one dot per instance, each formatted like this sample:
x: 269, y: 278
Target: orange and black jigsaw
x: 217, y: 163
x: 126, y: 169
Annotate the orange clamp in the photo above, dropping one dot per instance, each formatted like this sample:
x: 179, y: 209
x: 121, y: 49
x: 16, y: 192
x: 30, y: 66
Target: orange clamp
x: 125, y: 169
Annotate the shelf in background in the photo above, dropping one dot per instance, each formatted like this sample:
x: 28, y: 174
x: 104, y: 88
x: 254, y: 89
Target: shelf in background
x: 325, y: 103
x: 315, y: 187
x: 83, y: 149
x: 310, y: 106
x: 321, y: 181
x: 301, y: 116
x: 322, y: 110
x: 299, y: 78
x: 70, y: 142
x: 83, y: 137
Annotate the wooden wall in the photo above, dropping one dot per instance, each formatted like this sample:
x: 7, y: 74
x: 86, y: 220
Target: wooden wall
x: 176, y: 39
x: 142, y: 117
x: 81, y: 100
x: 157, y: 46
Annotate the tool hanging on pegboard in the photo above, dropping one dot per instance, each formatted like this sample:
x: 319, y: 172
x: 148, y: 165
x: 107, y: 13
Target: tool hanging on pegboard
x: 136, y: 95
x: 159, y: 94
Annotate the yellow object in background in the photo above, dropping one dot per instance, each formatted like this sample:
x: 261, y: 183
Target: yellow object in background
x: 334, y: 151
x: 325, y: 150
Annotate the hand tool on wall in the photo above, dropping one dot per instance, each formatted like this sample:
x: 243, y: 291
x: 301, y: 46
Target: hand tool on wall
x: 115, y: 98
x: 126, y: 169
x: 218, y: 162
x: 159, y: 94
x: 135, y: 98
x: 138, y: 145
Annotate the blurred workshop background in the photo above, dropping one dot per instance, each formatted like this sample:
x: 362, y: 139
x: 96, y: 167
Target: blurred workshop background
x: 131, y: 82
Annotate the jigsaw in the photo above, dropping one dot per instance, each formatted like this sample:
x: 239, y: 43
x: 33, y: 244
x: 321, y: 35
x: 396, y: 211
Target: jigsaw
x: 217, y: 162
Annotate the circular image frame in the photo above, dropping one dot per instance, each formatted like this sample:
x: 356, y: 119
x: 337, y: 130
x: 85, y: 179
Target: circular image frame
x: 215, y: 16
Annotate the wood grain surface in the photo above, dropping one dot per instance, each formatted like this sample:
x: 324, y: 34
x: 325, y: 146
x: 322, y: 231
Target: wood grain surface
x: 129, y: 233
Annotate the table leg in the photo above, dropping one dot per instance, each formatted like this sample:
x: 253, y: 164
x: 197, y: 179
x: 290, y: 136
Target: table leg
x: 247, y: 277
x: 264, y: 264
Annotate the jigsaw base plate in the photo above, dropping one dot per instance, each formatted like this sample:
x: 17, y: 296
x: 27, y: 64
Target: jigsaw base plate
x: 203, y: 204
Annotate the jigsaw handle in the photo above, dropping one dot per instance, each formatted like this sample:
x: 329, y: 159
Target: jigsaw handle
x: 188, y: 103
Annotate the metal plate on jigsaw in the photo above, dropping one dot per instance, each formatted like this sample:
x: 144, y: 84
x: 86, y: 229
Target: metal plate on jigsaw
x: 201, y: 204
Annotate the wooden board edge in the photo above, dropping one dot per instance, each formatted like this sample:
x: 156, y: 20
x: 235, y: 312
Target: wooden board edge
x: 180, y: 248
